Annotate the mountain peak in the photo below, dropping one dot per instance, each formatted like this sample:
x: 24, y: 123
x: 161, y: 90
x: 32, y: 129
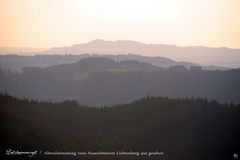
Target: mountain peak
x: 97, y: 41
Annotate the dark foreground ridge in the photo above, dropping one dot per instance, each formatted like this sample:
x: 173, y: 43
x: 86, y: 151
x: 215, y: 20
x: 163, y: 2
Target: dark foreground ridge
x: 180, y: 128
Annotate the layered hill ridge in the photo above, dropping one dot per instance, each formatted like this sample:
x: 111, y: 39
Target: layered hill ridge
x: 102, y: 81
x: 208, y: 56
x: 17, y: 63
x: 91, y: 66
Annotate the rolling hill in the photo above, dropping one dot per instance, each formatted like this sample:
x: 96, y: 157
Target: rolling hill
x: 103, y: 81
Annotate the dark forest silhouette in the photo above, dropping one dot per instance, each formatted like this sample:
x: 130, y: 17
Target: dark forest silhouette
x: 181, y: 128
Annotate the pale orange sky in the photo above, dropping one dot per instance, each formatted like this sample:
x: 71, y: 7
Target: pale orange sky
x: 49, y: 23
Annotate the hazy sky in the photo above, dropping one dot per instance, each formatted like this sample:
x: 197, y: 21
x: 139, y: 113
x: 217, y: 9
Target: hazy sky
x: 48, y: 23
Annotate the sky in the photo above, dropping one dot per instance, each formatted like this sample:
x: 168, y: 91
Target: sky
x: 55, y: 23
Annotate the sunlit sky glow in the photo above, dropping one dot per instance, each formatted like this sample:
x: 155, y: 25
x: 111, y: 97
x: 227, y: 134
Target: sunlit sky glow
x: 49, y: 23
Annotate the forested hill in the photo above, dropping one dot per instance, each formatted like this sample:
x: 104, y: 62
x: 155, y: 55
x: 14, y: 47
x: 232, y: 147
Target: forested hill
x: 103, y: 81
x: 17, y: 62
x: 181, y: 128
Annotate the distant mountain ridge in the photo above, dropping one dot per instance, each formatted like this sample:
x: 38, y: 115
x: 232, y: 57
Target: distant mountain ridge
x: 224, y: 57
